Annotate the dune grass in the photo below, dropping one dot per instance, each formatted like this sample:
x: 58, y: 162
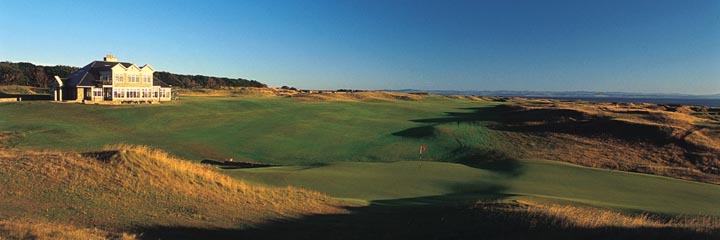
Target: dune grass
x: 356, y: 150
x: 125, y: 187
x: 570, y: 216
x: 32, y: 229
x: 310, y: 133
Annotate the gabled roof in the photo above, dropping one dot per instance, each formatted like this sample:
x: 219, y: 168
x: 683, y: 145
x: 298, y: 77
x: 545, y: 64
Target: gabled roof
x: 158, y: 82
x: 87, y: 76
x: 147, y: 66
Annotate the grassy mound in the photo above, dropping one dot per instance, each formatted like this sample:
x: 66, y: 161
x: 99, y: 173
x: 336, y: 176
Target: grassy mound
x: 669, y: 141
x: 128, y: 187
x: 680, y: 142
x: 30, y: 229
x: 479, y: 220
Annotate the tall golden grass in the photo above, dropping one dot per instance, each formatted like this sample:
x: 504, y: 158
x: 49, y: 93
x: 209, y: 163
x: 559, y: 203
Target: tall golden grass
x: 126, y: 186
x: 29, y: 229
x: 646, y: 138
x: 569, y: 217
x: 158, y: 169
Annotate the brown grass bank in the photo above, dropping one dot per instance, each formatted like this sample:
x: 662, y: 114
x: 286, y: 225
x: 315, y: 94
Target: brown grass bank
x: 125, y: 187
x: 675, y: 141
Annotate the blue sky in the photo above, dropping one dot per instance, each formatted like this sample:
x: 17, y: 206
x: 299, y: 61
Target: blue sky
x: 634, y: 46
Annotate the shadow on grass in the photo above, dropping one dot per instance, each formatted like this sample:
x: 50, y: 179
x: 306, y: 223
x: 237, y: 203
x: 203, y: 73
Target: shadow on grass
x: 493, y: 160
x: 103, y: 156
x: 486, y: 158
x: 393, y: 220
x: 520, y: 119
x: 451, y: 216
x: 236, y: 165
x: 417, y: 132
x: 420, y: 217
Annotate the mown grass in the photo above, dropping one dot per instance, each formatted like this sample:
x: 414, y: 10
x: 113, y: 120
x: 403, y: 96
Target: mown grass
x: 274, y: 130
x: 553, y: 182
x: 361, y: 150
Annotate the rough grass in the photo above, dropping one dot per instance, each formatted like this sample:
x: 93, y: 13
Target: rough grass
x: 653, y: 139
x: 119, y: 189
x: 491, y: 219
x: 30, y: 229
x: 125, y: 187
x: 569, y: 217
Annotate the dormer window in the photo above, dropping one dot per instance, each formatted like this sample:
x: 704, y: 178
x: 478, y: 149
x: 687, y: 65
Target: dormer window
x: 105, y: 76
x: 119, y: 77
x: 133, y: 78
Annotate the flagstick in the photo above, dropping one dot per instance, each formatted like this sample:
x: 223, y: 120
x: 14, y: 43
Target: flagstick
x: 421, y: 150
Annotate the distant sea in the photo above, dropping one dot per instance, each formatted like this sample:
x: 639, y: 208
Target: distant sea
x: 682, y: 101
x: 712, y: 100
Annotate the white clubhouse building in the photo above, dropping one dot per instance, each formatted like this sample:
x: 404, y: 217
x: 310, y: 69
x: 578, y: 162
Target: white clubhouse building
x: 110, y: 81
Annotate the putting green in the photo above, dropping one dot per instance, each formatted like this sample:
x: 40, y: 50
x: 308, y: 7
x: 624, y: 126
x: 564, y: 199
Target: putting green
x: 414, y: 181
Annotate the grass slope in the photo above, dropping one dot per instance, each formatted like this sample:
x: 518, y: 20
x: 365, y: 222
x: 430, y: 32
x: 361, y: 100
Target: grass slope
x: 130, y: 187
x: 275, y: 130
x: 547, y: 181
x: 349, y: 149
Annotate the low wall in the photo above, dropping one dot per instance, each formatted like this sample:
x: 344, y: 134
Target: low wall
x: 12, y: 99
x: 25, y: 97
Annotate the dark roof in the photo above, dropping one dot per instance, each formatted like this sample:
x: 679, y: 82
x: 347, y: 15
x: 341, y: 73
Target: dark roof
x: 88, y: 75
x: 158, y: 82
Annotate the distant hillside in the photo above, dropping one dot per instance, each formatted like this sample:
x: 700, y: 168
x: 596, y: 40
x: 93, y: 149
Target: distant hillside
x: 28, y: 74
x: 566, y: 94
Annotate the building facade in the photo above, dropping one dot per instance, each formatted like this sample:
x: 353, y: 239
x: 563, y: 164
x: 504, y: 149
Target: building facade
x: 110, y: 81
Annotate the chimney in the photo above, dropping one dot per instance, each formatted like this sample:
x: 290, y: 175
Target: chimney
x: 110, y: 58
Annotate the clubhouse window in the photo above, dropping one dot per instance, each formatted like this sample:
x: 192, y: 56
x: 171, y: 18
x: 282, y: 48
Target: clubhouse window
x: 119, y: 78
x: 105, y: 76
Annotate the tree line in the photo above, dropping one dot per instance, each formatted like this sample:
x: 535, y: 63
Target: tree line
x: 28, y: 74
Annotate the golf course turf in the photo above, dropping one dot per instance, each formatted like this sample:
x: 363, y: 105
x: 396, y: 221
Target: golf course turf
x: 437, y: 182
x: 269, y: 130
x: 365, y: 153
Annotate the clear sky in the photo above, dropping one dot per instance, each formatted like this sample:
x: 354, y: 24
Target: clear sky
x: 600, y: 45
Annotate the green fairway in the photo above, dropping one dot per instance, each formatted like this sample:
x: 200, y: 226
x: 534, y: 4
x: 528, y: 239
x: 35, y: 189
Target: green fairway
x: 275, y: 130
x: 364, y: 150
x: 418, y: 182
